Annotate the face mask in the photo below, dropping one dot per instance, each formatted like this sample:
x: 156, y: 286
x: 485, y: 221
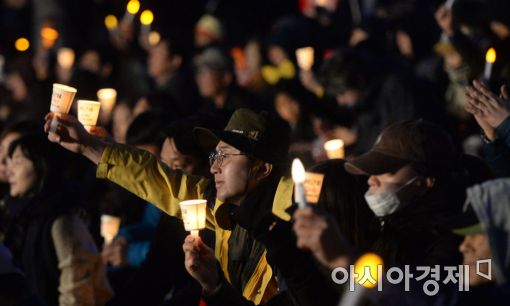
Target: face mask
x: 387, y: 202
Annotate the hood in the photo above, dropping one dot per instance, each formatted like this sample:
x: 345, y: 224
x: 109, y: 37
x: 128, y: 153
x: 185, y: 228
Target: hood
x: 491, y: 203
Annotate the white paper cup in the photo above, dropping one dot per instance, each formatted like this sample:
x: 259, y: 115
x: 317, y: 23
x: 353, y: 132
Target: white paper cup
x: 109, y: 227
x: 88, y: 112
x: 305, y: 58
x: 334, y: 148
x: 61, y: 101
x: 193, y: 215
x: 107, y: 97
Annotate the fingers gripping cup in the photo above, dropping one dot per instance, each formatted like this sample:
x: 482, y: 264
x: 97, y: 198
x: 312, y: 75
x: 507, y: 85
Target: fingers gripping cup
x: 109, y: 227
x: 61, y: 101
x: 88, y: 112
x: 193, y: 215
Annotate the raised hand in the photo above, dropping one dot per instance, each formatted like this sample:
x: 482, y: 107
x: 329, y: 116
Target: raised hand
x: 486, y: 105
x: 201, y: 263
x: 71, y: 135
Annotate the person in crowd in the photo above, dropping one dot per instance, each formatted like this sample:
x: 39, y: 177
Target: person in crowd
x: 163, y: 270
x: 139, y: 219
x: 216, y: 82
x: 492, y: 113
x: 249, y: 174
x: 49, y: 240
x: 14, y: 286
x: 416, y: 186
x: 168, y: 69
x: 484, y: 226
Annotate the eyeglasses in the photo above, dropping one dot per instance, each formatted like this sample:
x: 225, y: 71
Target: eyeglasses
x: 219, y: 156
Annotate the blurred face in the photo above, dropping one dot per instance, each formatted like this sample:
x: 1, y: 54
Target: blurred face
x: 287, y: 108
x: 158, y: 62
x: 209, y: 82
x: 476, y: 247
x: 21, y: 174
x: 4, y: 146
x: 348, y: 98
x: 90, y: 61
x: 176, y: 160
x: 232, y: 176
x: 121, y: 120
x: 276, y: 55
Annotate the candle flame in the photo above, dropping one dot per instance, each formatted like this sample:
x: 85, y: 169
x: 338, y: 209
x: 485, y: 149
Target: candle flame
x: 49, y: 33
x: 133, y: 6
x: 490, y: 56
x: 111, y: 22
x: 333, y: 144
x: 22, y: 44
x: 146, y: 17
x: 298, y: 171
x: 367, y: 263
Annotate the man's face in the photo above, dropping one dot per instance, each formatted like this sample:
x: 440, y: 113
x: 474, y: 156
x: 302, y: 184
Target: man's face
x: 176, y: 160
x: 476, y: 247
x: 390, y: 181
x: 232, y: 175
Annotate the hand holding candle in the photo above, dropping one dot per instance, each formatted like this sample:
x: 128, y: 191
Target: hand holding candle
x: 132, y: 8
x: 298, y: 176
x: 193, y: 215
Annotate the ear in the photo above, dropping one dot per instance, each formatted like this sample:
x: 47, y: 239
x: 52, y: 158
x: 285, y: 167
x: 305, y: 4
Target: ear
x: 263, y: 170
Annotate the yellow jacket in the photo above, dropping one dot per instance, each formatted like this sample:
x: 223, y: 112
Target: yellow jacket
x: 142, y: 174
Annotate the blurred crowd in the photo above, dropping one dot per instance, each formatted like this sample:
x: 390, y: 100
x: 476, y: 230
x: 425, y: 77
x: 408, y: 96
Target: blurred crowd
x: 213, y: 99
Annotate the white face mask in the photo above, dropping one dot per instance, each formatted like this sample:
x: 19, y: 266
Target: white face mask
x: 387, y: 202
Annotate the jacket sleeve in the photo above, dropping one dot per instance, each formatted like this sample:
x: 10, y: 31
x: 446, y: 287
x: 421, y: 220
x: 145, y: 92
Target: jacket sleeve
x: 142, y: 174
x: 82, y: 275
x: 497, y: 154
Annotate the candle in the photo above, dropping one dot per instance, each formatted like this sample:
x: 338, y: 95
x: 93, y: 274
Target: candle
x: 146, y: 19
x: 111, y: 24
x: 109, y: 227
x: 88, y: 111
x: 298, y: 176
x: 61, y: 100
x: 132, y: 8
x: 22, y: 44
x: 65, y: 57
x: 305, y: 58
x: 334, y: 148
x: 107, y: 97
x: 193, y: 215
x: 368, y: 263
x: 48, y: 36
x: 490, y: 58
